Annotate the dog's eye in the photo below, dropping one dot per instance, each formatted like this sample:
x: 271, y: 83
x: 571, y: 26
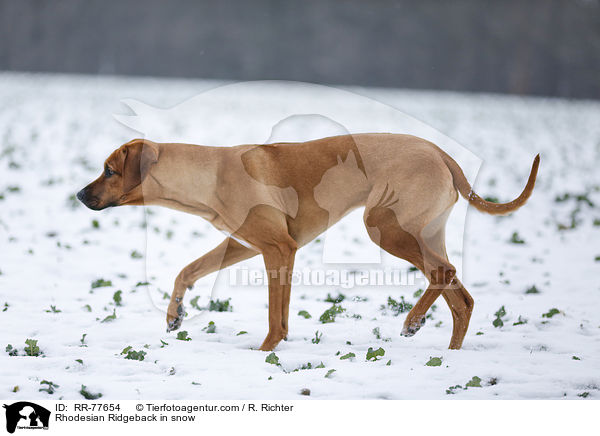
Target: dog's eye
x: 108, y: 172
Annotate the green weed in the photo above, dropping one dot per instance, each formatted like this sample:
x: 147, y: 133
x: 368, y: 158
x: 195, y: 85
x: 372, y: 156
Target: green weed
x: 100, y: 283
x: 88, y: 395
x: 32, y: 348
x: 131, y: 354
x: 50, y: 387
x: 335, y: 300
x: 220, y: 306
x: 397, y: 307
x: 551, y: 313
x: 210, y: 328
x: 374, y: 355
x: 434, y: 361
x: 330, y: 314
x: 304, y: 314
x: 110, y: 318
x: 183, y: 336
x: 317, y: 337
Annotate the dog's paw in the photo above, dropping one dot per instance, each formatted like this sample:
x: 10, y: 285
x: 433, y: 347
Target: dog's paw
x: 412, y: 327
x: 174, y: 321
x: 271, y: 341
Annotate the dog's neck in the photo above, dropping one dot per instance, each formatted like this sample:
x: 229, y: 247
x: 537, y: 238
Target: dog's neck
x: 182, y: 170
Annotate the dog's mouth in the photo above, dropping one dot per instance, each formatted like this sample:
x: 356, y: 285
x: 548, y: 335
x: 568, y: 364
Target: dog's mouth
x: 91, y: 201
x: 94, y: 204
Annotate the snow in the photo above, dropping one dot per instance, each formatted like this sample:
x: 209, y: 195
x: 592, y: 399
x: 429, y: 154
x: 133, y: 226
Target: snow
x: 57, y: 130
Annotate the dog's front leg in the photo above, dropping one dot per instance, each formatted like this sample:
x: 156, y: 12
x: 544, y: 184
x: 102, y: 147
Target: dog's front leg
x: 279, y: 262
x: 225, y: 254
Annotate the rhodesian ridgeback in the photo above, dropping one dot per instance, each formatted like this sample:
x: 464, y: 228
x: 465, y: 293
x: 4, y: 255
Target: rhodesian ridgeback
x: 272, y: 199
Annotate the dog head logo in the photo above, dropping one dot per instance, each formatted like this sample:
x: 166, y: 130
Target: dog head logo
x: 26, y: 415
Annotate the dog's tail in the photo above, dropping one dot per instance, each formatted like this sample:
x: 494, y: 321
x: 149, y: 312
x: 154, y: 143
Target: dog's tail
x: 463, y: 186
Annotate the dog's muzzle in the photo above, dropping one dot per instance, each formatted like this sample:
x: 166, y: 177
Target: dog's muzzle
x: 89, y: 201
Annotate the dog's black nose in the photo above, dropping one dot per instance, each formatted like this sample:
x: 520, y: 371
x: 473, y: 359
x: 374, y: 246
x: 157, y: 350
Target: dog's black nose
x: 81, y: 195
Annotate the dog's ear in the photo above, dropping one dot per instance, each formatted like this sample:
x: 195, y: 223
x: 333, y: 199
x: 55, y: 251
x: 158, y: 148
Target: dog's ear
x: 139, y: 157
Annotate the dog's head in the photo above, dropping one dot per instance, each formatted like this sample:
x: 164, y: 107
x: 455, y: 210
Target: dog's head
x: 120, y: 182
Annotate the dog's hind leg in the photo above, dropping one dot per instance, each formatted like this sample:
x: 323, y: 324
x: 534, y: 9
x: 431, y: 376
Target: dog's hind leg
x: 227, y: 253
x: 424, y: 248
x: 461, y: 305
x: 384, y: 229
x: 458, y: 299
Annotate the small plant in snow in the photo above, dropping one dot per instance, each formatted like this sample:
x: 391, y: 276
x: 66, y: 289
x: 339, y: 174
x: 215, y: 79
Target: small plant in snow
x: 317, y: 337
x: 516, y: 239
x: 53, y: 309
x: 309, y: 365
x: 50, y: 387
x: 32, y: 348
x: 88, y: 395
x: 475, y: 382
x: 220, y: 306
x: 110, y: 318
x: 131, y: 354
x: 551, y: 313
x: 347, y: 356
x: 451, y: 390
x: 117, y: 297
x: 194, y: 303
x: 304, y: 314
x: 101, y: 283
x: 330, y: 314
x: 520, y: 321
x: 210, y: 328
x: 11, y: 350
x: 499, y: 314
x: 272, y: 359
x: 136, y: 254
x: 183, y: 336
x: 377, y: 334
x: 397, y: 307
x: 532, y: 290
x: 374, y: 355
x: 434, y: 361
x: 335, y: 300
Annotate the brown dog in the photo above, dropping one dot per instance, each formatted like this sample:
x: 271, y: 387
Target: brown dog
x: 273, y: 199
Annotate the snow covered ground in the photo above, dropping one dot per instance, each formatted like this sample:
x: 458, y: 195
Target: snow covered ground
x: 55, y: 132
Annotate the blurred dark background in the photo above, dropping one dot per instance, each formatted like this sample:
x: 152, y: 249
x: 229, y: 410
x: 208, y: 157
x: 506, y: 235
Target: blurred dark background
x: 538, y: 47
